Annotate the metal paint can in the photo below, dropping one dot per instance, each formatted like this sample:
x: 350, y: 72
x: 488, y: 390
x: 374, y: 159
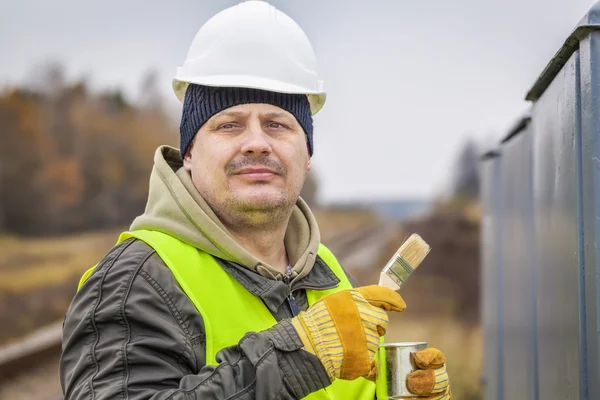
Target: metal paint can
x: 393, y: 364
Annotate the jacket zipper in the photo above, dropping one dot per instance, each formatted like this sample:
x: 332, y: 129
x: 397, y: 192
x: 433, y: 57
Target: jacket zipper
x: 290, y: 299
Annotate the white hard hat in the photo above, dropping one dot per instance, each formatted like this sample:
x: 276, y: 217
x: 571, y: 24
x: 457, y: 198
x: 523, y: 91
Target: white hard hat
x: 252, y: 45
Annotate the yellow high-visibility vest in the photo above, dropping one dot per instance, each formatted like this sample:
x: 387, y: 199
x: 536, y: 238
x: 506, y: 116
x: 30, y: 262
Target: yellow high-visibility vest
x: 228, y: 310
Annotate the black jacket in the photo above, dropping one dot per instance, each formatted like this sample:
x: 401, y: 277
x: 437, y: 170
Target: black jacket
x: 132, y: 333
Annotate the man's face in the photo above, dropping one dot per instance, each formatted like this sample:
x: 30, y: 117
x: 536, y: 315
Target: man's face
x: 249, y: 158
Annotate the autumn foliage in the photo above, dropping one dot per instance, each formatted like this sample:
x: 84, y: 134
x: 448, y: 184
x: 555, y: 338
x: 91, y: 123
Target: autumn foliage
x: 71, y: 160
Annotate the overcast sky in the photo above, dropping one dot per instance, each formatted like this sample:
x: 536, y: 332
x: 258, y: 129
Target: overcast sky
x: 407, y: 81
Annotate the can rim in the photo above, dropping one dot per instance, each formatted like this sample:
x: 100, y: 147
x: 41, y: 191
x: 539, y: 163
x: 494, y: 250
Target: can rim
x: 404, y: 344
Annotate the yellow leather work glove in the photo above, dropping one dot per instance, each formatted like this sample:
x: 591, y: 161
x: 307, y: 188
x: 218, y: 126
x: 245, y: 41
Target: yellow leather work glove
x: 430, y: 381
x: 343, y: 329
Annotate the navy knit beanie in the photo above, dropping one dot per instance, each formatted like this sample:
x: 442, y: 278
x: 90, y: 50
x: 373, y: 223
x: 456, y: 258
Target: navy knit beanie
x: 202, y: 102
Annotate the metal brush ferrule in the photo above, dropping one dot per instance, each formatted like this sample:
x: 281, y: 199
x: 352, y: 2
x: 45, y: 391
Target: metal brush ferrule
x: 398, y: 269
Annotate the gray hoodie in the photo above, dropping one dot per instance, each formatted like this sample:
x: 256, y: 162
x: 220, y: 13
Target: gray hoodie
x: 132, y: 333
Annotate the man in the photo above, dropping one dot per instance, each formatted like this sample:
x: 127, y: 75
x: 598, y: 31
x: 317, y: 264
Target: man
x: 221, y: 289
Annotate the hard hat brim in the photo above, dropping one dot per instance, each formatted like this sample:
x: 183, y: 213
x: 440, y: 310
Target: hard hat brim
x: 316, y: 98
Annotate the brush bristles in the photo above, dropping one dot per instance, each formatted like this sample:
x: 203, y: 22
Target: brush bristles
x: 414, y: 250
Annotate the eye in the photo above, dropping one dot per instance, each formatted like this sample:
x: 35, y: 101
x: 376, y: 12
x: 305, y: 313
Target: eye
x: 278, y: 125
x: 227, y: 126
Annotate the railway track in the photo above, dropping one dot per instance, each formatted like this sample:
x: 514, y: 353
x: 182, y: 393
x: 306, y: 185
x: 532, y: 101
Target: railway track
x: 29, y: 368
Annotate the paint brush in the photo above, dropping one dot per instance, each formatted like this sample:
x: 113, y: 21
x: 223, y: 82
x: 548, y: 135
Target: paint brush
x: 404, y: 262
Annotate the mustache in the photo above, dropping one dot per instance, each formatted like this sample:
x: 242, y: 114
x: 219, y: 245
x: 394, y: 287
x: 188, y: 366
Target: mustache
x: 264, y: 161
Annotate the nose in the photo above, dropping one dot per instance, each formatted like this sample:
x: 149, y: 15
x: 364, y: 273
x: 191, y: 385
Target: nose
x: 256, y: 141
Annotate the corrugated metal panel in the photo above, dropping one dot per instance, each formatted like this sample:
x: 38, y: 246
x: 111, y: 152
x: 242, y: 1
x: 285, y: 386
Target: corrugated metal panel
x: 490, y: 260
x: 554, y: 118
x: 562, y: 245
x: 590, y: 205
x: 519, y: 340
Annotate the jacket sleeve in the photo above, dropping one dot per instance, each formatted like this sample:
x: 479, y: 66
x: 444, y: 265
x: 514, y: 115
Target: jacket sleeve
x: 124, y: 337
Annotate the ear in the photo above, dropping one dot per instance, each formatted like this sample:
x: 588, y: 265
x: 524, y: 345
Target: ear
x: 309, y: 164
x: 187, y: 159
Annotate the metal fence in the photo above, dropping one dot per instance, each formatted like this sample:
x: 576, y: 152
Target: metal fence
x: 540, y: 235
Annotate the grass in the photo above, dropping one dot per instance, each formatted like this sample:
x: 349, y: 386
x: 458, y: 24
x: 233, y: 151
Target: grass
x: 30, y: 264
x: 38, y: 277
x: 333, y: 221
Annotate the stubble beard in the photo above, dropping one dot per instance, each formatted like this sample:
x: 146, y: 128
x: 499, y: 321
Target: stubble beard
x: 252, y: 215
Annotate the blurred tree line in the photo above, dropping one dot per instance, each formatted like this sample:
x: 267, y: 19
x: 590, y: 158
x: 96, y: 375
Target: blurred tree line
x: 465, y: 180
x: 72, y: 160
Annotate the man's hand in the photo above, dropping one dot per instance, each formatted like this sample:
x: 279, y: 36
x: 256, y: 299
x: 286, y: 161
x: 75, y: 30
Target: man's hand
x: 343, y: 329
x: 430, y: 381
